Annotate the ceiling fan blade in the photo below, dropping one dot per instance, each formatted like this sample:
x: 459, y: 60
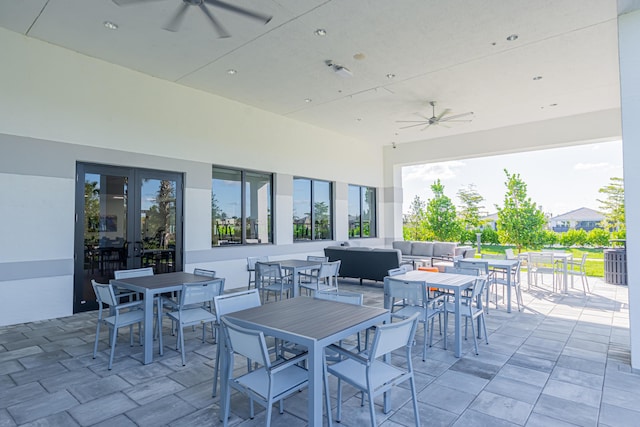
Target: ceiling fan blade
x: 176, y: 21
x: 216, y: 24
x: 446, y: 111
x: 456, y: 121
x: 417, y: 124
x: 425, y: 128
x: 456, y: 116
x: 130, y: 2
x: 412, y: 121
x: 242, y: 11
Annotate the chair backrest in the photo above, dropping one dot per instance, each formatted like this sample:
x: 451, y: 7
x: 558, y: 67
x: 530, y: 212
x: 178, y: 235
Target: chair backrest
x: 509, y: 253
x: 268, y: 272
x: 541, y: 260
x: 329, y: 269
x: 246, y: 342
x: 482, y: 266
x: 230, y: 303
x: 400, y: 270
x: 461, y: 270
x: 478, y: 287
x: 203, y: 272
x: 251, y: 261
x: 135, y: 272
x: 392, y: 336
x: 493, y: 256
x: 413, y: 292
x: 317, y: 258
x: 340, y: 296
x: 583, y: 261
x: 196, y: 293
x: 104, y: 294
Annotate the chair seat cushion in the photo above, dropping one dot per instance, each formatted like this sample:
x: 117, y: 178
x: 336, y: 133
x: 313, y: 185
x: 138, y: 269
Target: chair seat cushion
x: 193, y: 316
x: 356, y: 373
x: 290, y: 378
x: 127, y: 318
x: 410, y: 310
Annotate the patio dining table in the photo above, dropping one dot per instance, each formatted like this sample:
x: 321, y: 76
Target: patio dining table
x: 295, y: 267
x: 506, y: 265
x: 314, y: 324
x: 564, y: 257
x: 452, y: 282
x: 150, y: 287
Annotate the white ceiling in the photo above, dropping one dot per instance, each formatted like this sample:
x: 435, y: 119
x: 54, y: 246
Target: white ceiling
x: 452, y: 51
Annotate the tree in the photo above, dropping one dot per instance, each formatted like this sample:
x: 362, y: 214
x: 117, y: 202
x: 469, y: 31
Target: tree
x: 470, y: 207
x: 415, y: 222
x: 520, y: 222
x: 441, y: 215
x: 613, y: 205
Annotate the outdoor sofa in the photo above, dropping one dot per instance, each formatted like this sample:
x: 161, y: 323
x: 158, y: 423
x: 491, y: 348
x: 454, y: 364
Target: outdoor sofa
x: 427, y: 252
x: 364, y: 263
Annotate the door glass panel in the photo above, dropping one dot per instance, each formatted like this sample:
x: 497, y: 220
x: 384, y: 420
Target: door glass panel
x: 322, y: 210
x: 354, y: 211
x: 301, y: 209
x: 104, y: 228
x: 157, y: 224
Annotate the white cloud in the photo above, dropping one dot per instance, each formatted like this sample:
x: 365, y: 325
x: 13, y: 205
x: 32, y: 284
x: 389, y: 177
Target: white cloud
x: 430, y: 172
x: 591, y: 166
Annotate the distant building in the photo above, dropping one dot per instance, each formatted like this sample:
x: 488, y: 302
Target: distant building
x: 490, y: 221
x: 578, y: 219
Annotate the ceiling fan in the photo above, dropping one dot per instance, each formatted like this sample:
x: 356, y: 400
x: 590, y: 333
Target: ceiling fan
x: 440, y: 119
x: 174, y: 23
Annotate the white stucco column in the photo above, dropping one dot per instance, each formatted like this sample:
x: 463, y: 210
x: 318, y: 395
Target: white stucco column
x: 629, y: 49
x: 392, y: 199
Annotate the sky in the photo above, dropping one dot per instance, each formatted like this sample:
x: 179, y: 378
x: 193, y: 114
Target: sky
x: 560, y: 180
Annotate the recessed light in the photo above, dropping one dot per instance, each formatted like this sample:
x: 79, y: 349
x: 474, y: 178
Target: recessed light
x: 512, y: 37
x: 359, y: 56
x: 359, y: 119
x: 320, y: 32
x: 308, y: 100
x: 553, y: 105
x: 537, y: 78
x: 391, y: 76
x: 231, y: 71
x: 110, y: 25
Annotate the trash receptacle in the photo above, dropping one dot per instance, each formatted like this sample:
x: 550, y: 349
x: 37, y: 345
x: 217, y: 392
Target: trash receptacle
x: 615, y: 266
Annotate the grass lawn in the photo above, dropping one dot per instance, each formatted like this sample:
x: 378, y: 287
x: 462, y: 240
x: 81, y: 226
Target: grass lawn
x: 595, y: 257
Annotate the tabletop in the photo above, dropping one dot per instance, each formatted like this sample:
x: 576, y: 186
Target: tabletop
x: 298, y: 263
x: 159, y: 281
x: 436, y: 279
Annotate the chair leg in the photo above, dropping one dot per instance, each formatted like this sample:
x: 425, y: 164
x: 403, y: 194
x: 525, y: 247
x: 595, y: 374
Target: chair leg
x: 414, y: 397
x: 372, y: 409
x: 181, y: 338
x: 339, y: 410
x: 425, y: 325
x: 95, y: 345
x: 215, y: 371
x: 114, y: 338
x: 327, y: 398
x: 473, y: 331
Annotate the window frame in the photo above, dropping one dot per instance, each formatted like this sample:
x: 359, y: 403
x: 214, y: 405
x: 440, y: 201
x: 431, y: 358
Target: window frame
x: 243, y: 206
x: 312, y: 209
x: 373, y: 222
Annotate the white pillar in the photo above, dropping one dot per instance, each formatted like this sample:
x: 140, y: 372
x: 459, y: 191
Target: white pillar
x: 629, y: 49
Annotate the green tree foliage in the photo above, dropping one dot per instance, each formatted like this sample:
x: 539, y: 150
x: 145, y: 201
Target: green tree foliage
x: 470, y: 206
x: 490, y: 236
x: 441, y: 215
x: 415, y: 222
x: 550, y: 238
x: 520, y: 222
x: 613, y: 205
x: 574, y: 238
x: 598, y: 237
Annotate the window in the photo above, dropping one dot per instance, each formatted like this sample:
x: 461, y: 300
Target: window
x: 362, y: 211
x: 312, y: 219
x: 241, y: 204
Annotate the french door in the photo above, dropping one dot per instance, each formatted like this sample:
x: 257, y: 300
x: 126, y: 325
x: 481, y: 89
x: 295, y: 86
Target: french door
x: 125, y: 218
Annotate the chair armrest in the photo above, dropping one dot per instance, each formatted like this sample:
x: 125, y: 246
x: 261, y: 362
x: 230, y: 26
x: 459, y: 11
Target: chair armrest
x: 344, y: 352
x: 285, y: 363
x: 133, y: 304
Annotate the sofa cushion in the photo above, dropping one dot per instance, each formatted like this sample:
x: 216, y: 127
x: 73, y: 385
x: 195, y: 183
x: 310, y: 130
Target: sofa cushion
x: 441, y: 249
x: 404, y: 246
x: 422, y: 249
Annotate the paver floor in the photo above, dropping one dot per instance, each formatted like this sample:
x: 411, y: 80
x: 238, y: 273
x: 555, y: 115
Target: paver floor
x: 563, y: 360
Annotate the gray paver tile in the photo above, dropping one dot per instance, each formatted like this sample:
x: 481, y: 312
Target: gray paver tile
x: 117, y: 421
x: 462, y: 381
x: 577, y: 377
x: 539, y: 420
x: 446, y: 398
x: 42, y: 406
x: 17, y: 394
x: 6, y: 420
x: 518, y: 390
x: 472, y: 418
x: 566, y: 410
x: 104, y: 408
x: 616, y: 416
x: 153, y: 390
x: 573, y: 392
x: 102, y: 387
x: 502, y: 407
x: 55, y: 420
x: 161, y: 411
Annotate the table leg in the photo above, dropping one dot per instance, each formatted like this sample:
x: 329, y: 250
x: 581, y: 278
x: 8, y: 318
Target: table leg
x: 508, y: 290
x: 458, y: 315
x: 314, y: 403
x: 148, y: 327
